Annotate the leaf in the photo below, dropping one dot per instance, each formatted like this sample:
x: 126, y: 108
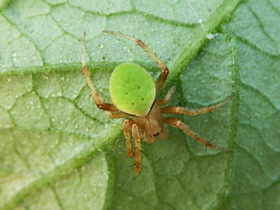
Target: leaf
x: 57, y: 150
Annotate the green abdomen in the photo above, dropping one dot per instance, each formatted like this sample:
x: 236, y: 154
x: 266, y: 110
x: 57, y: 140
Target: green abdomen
x: 132, y: 89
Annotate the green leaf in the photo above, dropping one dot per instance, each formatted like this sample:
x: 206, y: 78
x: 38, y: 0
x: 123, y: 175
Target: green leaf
x: 59, y: 151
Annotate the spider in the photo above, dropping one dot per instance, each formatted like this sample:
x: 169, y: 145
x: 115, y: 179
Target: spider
x: 133, y: 93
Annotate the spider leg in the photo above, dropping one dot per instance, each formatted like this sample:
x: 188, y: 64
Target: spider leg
x: 115, y: 115
x: 185, y: 111
x: 167, y: 97
x: 164, y: 70
x: 127, y: 126
x: 98, y: 100
x: 179, y: 124
x: 137, y: 137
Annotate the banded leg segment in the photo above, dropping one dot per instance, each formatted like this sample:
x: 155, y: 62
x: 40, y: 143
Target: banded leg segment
x: 167, y: 97
x: 127, y: 127
x: 188, y: 112
x: 137, y: 137
x: 164, y: 70
x: 98, y: 100
x: 179, y: 124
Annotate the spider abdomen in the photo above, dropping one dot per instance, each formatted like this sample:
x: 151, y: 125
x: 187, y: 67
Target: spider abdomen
x: 132, y: 89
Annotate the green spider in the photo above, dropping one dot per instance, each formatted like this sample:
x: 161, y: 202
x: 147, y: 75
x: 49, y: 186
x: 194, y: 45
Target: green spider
x: 133, y: 93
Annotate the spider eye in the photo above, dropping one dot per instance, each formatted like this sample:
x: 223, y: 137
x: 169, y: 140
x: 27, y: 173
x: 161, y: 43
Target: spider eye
x: 156, y: 134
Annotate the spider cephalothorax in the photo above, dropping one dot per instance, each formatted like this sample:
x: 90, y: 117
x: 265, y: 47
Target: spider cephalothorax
x: 133, y: 93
